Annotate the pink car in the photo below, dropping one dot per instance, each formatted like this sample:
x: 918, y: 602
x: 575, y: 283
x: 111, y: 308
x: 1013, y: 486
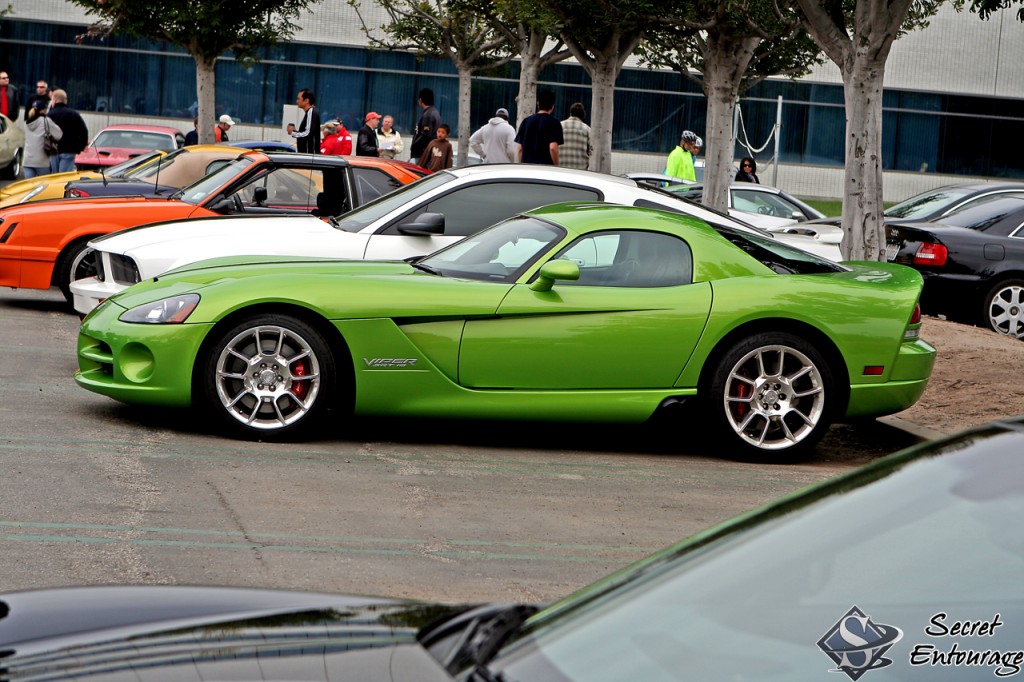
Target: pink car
x: 117, y: 143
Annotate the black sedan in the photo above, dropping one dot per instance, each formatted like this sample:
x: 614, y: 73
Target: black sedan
x: 908, y: 568
x: 936, y: 203
x: 972, y: 260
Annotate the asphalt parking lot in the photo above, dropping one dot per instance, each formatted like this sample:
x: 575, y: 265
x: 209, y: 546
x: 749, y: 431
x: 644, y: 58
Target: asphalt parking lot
x: 96, y: 492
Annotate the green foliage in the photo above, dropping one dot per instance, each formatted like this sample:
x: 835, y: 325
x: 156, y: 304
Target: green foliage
x: 985, y: 8
x: 456, y: 29
x: 206, y: 29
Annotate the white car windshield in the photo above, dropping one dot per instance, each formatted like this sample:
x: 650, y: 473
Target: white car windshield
x: 356, y: 220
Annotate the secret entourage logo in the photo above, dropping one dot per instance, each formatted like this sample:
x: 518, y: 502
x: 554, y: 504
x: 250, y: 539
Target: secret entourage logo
x: 856, y: 644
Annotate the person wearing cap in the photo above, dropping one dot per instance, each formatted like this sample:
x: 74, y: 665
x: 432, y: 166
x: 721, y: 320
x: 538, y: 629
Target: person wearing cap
x: 336, y: 139
x: 495, y: 141
x: 224, y: 124
x: 680, y: 161
x: 391, y: 144
x: 576, y: 150
x: 366, y: 139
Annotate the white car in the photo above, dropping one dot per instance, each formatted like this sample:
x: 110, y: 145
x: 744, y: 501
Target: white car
x: 417, y: 219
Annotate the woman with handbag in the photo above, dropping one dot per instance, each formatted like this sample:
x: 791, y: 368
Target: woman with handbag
x: 41, y: 135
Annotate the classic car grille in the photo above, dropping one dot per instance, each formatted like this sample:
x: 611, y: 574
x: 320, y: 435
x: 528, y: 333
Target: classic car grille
x: 123, y: 270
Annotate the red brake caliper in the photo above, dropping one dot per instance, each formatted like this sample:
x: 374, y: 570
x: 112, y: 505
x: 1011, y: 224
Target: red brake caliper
x: 742, y: 391
x: 299, y: 388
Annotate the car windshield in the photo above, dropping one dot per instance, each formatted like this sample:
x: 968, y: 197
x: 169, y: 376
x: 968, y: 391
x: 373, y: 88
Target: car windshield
x: 204, y: 187
x: 132, y: 165
x: 134, y: 139
x: 926, y: 203
x: 985, y: 213
x: 356, y: 220
x: 152, y: 169
x: 498, y: 254
x: 764, y: 602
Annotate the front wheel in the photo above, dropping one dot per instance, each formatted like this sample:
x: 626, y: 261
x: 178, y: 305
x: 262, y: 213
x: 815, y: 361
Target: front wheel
x: 771, y: 394
x: 269, y: 376
x: 77, y: 261
x: 13, y: 169
x: 1004, y: 308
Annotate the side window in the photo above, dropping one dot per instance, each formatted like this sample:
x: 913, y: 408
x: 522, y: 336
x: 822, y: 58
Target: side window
x: 762, y: 203
x: 630, y: 258
x: 470, y: 209
x: 371, y: 183
x: 287, y: 189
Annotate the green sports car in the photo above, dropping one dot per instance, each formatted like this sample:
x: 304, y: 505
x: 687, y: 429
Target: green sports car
x: 572, y: 312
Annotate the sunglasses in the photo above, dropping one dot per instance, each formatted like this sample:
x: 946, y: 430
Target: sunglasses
x: 747, y: 165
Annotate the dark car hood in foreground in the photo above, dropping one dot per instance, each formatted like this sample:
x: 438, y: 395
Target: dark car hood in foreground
x: 205, y: 633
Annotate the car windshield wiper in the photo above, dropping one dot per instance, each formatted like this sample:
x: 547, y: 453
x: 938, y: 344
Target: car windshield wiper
x: 420, y: 266
x: 481, y: 639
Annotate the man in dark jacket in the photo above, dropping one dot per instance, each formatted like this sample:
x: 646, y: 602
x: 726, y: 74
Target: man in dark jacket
x: 366, y: 141
x: 426, y: 127
x: 307, y: 135
x: 42, y: 92
x: 75, y: 137
x: 9, y: 105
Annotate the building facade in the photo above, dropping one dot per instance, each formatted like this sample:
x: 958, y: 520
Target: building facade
x: 953, y: 105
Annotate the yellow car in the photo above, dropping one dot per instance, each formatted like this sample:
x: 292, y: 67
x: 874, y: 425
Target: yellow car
x: 51, y: 185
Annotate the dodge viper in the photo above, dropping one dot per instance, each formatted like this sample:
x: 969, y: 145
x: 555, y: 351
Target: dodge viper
x: 44, y: 244
x: 572, y: 312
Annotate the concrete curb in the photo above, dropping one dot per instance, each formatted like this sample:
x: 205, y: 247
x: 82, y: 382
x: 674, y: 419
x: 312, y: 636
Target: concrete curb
x: 923, y: 433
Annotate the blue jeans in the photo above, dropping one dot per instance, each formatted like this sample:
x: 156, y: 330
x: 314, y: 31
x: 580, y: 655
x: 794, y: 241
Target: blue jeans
x: 62, y: 163
x: 31, y: 171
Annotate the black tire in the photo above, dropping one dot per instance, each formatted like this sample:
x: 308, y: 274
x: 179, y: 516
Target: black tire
x: 253, y: 395
x: 12, y: 170
x: 1003, y: 308
x: 764, y: 411
x: 76, y: 261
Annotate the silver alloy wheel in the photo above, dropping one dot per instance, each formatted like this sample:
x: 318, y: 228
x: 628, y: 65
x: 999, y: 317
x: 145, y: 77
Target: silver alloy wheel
x: 267, y: 377
x: 774, y: 397
x: 1006, y: 311
x: 84, y: 264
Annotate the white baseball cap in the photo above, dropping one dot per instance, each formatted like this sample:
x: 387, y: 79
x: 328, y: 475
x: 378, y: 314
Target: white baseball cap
x: 226, y: 119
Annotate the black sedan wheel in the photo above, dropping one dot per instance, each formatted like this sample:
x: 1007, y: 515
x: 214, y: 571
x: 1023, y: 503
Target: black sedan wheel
x: 1004, y: 308
x: 269, y: 375
x: 770, y: 395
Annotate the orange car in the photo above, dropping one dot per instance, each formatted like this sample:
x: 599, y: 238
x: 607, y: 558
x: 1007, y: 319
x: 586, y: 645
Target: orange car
x: 45, y: 243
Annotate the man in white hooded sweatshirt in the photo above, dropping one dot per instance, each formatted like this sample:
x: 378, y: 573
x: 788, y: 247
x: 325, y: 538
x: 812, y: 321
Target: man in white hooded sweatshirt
x: 495, y: 142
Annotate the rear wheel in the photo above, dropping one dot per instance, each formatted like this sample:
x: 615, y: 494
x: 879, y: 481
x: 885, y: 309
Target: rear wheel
x: 77, y: 261
x: 1004, y: 308
x: 771, y: 395
x: 13, y: 169
x: 268, y: 376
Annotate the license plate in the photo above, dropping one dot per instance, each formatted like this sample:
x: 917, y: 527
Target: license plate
x: 891, y: 250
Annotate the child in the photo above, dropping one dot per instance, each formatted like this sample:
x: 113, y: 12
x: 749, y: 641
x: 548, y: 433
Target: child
x: 438, y: 154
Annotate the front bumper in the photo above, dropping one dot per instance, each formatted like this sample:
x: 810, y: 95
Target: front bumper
x: 90, y: 292
x: 138, y: 363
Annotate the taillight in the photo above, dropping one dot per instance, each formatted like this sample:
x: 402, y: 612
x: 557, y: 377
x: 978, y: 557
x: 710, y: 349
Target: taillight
x: 76, y: 193
x: 913, y: 330
x: 931, y: 254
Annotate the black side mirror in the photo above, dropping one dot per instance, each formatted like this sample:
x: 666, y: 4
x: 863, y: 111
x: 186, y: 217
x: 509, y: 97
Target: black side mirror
x: 259, y: 196
x: 424, y: 225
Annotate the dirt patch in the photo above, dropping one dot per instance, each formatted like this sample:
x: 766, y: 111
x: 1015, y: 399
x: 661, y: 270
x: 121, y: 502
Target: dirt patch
x: 978, y: 378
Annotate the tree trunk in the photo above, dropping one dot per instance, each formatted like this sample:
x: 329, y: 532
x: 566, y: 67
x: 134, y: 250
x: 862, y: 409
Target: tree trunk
x: 529, y: 73
x: 465, y: 122
x: 862, y: 196
x: 206, y: 96
x: 602, y: 96
x: 726, y: 61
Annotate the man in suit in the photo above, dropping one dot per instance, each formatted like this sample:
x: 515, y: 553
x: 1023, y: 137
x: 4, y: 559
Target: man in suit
x: 9, y: 105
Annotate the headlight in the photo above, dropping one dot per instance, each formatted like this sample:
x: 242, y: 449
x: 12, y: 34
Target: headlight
x: 35, y: 190
x: 173, y: 310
